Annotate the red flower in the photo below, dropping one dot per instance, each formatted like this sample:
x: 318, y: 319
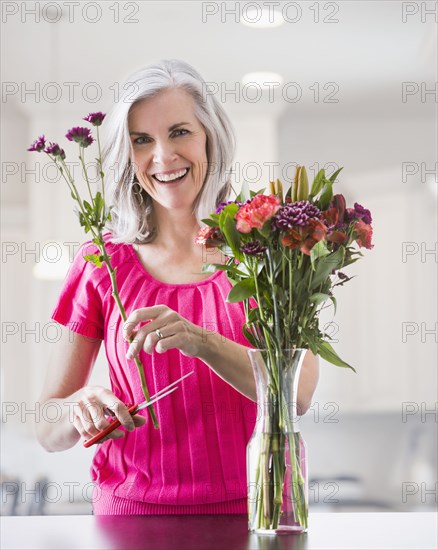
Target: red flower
x: 331, y: 216
x: 338, y: 202
x: 337, y: 237
x: 305, y: 237
x: 254, y: 214
x: 210, y: 237
x: 364, y: 232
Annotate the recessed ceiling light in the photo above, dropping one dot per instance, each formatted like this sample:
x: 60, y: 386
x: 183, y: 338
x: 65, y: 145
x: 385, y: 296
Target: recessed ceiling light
x: 261, y: 18
x: 263, y: 79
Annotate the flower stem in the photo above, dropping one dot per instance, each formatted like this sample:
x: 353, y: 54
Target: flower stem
x: 115, y: 294
x: 99, y: 161
x: 81, y: 158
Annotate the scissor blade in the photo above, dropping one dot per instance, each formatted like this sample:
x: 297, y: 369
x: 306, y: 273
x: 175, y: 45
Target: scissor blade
x: 172, y: 384
x: 157, y: 398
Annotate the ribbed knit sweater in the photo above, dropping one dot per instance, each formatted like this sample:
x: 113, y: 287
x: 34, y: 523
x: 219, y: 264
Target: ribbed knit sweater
x: 196, y: 461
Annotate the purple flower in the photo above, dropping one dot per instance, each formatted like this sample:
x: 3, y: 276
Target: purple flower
x: 253, y: 248
x: 80, y: 135
x: 358, y: 213
x: 96, y: 119
x: 363, y: 213
x: 295, y: 213
x: 224, y: 204
x: 55, y: 150
x: 38, y: 145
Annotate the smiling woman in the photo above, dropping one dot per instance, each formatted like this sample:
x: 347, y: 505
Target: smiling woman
x: 166, y: 110
x: 174, y: 148
x: 170, y: 159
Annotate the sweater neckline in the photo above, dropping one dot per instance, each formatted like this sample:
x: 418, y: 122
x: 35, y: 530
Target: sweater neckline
x: 146, y: 273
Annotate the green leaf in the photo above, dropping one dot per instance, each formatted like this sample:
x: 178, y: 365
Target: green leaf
x: 318, y: 251
x: 326, y: 351
x: 326, y: 265
x: 209, y: 222
x: 250, y: 337
x: 98, y: 200
x: 326, y: 195
x: 244, y: 194
x: 94, y: 259
x: 310, y: 340
x: 335, y: 175
x: 232, y: 236
x: 230, y: 210
x: 88, y: 207
x: 318, y: 298
x: 242, y: 290
x: 232, y: 269
x: 335, y: 304
x: 318, y: 182
x: 254, y: 193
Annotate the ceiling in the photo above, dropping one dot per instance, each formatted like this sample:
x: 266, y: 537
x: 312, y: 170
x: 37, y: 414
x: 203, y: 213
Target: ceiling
x: 369, y: 50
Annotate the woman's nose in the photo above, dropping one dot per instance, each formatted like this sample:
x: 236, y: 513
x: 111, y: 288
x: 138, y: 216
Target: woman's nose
x: 163, y: 153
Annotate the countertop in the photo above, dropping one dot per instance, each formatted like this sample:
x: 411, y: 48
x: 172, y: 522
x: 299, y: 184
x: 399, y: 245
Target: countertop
x: 337, y: 531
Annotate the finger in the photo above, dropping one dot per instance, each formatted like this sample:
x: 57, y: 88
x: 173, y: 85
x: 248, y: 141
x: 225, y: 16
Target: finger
x: 79, y: 427
x: 141, y: 314
x: 177, y: 328
x: 175, y: 335
x: 86, y: 415
x: 139, y: 420
x: 120, y: 410
x: 149, y: 338
x: 123, y: 415
x: 118, y: 434
x: 145, y: 339
x: 115, y: 434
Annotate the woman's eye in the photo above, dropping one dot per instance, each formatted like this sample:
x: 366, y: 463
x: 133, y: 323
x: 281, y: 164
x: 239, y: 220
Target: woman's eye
x: 177, y: 132
x: 141, y: 140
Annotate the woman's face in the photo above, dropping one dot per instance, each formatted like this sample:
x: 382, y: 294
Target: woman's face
x: 168, y: 147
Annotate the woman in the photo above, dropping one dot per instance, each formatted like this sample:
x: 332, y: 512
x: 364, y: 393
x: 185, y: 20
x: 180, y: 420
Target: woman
x: 172, y: 146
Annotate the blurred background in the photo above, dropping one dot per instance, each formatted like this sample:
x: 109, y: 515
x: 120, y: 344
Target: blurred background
x: 324, y: 84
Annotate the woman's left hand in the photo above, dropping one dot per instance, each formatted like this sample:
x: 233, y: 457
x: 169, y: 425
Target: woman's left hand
x: 165, y: 330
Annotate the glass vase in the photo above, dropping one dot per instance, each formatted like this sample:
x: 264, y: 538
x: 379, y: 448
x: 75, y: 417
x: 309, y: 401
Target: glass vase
x: 276, y: 453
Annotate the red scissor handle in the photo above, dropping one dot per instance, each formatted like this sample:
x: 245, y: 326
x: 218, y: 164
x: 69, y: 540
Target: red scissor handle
x: 113, y: 425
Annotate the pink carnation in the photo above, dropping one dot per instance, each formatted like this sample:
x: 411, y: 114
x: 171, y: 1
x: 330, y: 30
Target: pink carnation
x: 210, y: 237
x: 254, y: 214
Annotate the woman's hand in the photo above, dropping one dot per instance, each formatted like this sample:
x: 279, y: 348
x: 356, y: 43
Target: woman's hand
x: 228, y: 359
x: 93, y: 404
x: 165, y: 330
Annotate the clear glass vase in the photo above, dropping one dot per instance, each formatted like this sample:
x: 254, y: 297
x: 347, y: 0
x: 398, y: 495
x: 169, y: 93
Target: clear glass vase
x: 276, y: 453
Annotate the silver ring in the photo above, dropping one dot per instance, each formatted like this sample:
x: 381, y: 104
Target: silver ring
x: 159, y: 334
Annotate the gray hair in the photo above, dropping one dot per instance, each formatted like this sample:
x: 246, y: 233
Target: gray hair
x: 132, y: 213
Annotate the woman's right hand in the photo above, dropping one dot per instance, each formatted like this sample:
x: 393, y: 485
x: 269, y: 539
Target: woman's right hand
x: 92, y: 404
x: 83, y: 406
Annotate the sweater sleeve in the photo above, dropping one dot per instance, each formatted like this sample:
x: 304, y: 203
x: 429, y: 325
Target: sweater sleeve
x: 79, y: 305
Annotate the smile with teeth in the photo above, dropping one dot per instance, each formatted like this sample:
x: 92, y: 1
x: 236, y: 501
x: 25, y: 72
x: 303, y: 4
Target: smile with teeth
x: 173, y: 176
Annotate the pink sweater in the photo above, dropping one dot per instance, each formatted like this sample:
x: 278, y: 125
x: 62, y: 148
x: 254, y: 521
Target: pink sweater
x: 196, y: 461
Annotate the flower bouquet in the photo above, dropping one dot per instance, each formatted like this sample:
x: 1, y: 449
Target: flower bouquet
x: 285, y: 253
x: 92, y: 215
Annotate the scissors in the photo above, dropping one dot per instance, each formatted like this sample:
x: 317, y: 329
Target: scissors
x: 133, y: 409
